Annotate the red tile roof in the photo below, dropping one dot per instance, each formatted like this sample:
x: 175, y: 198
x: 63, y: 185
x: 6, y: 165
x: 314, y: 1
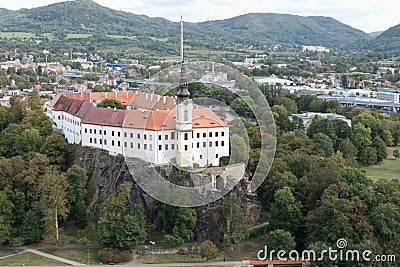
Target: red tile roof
x: 165, y: 119
x: 150, y: 101
x: 105, y: 116
x: 84, y: 109
x: 63, y: 103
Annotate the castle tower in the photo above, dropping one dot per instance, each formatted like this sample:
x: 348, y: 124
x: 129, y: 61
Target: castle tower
x: 183, y: 123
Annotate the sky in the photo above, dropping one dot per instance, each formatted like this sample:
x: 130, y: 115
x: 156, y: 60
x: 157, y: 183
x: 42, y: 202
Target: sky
x: 366, y: 15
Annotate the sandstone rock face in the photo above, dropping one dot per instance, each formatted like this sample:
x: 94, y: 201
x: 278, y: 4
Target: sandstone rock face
x: 106, y: 172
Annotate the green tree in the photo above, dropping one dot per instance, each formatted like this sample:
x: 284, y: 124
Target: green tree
x: 180, y: 224
x: 53, y: 199
x: 3, y: 117
x: 347, y: 148
x: 280, y: 240
x: 15, y: 112
x: 285, y: 211
x: 6, y: 218
x: 281, y: 116
x: 208, y: 250
x: 361, y: 137
x: 129, y: 232
x: 34, y: 102
x: 28, y: 141
x: 56, y: 149
x: 112, y: 103
x: 300, y: 164
x: 234, y: 226
x: 368, y: 156
x: 31, y: 229
x: 77, y: 194
x: 239, y: 149
x: 386, y: 221
x: 323, y: 145
x: 380, y: 148
x: 396, y: 153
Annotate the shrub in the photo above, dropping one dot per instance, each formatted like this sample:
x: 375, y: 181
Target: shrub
x: 115, y: 256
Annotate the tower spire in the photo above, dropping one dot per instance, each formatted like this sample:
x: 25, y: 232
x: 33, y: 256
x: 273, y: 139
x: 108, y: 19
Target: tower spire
x: 183, y: 93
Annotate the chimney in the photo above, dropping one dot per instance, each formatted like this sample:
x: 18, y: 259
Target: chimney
x: 147, y: 96
x: 106, y: 95
x: 116, y: 94
x: 127, y: 95
x: 158, y: 98
x: 151, y: 97
x: 164, y: 99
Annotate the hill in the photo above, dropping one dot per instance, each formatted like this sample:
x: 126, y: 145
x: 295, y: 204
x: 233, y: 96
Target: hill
x: 88, y: 26
x: 375, y: 34
x: 292, y: 29
x: 387, y: 41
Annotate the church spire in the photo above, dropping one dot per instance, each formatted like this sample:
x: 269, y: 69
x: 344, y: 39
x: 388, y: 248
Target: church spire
x: 183, y: 93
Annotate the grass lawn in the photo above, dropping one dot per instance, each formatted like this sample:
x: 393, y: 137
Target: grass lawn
x: 78, y: 255
x: 170, y: 258
x: 388, y: 169
x: 29, y: 259
x: 6, y: 252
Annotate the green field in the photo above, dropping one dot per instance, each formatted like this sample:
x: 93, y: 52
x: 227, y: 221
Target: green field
x: 29, y: 259
x: 10, y: 35
x: 78, y: 35
x: 170, y: 258
x: 77, y: 255
x: 388, y: 169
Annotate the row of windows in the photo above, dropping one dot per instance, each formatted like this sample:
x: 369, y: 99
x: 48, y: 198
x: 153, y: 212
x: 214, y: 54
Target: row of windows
x: 70, y: 120
x: 166, y: 137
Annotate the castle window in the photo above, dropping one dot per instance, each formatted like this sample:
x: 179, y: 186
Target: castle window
x: 186, y: 148
x: 101, y: 141
x: 100, y: 132
x: 105, y: 142
x: 105, y: 132
x: 222, y: 143
x: 151, y: 137
x: 112, y: 143
x: 138, y: 146
x: 216, y: 143
x: 198, y: 135
x: 222, y: 133
x: 216, y: 156
x: 85, y: 130
x: 125, y: 144
x: 138, y: 136
x: 94, y: 131
x: 166, y: 137
x: 210, y: 134
x: 112, y: 133
x: 119, y: 134
x: 159, y: 147
x: 185, y: 115
x: 186, y: 137
x: 210, y: 145
x: 216, y: 134
x: 90, y: 140
x: 145, y: 137
x: 159, y: 137
x: 132, y: 145
x: 198, y: 144
x: 119, y: 143
x: 131, y: 135
x: 145, y: 147
x: 90, y: 131
x: 204, y: 135
x: 125, y: 135
x: 173, y: 146
x: 204, y: 144
x: 172, y: 135
x: 151, y: 147
x: 166, y: 147
x: 95, y: 141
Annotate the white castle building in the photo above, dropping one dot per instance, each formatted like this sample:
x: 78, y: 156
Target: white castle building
x: 157, y: 129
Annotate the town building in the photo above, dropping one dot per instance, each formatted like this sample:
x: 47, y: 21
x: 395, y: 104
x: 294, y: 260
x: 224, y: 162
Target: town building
x: 158, y: 129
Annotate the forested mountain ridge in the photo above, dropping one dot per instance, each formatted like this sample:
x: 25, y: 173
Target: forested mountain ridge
x: 292, y: 29
x: 387, y: 41
x: 88, y: 17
